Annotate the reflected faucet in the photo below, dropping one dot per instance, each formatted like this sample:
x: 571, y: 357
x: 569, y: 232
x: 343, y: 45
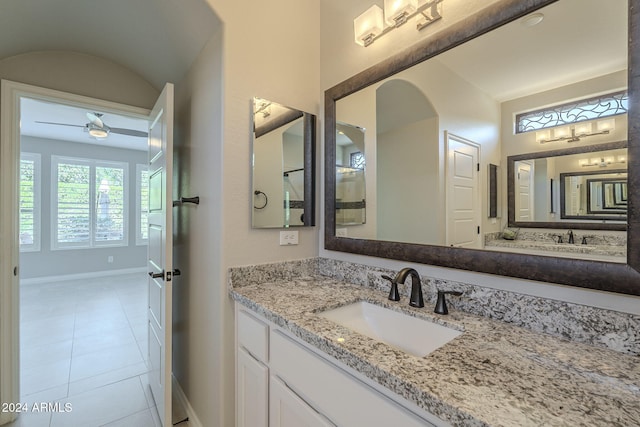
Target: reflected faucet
x: 416, y: 285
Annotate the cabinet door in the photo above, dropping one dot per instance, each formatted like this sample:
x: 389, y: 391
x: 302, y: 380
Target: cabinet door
x: 252, y: 393
x: 288, y: 410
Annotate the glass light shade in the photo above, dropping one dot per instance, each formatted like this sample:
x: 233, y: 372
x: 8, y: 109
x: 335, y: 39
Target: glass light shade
x: 583, y: 162
x: 98, y: 133
x: 562, y: 132
x: 543, y: 135
x: 622, y: 159
x: 583, y: 128
x: 606, y: 125
x: 394, y: 10
x: 368, y: 25
x: 609, y: 159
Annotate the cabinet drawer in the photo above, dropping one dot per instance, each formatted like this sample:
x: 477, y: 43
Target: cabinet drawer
x: 325, y: 387
x: 253, y: 335
x: 289, y: 410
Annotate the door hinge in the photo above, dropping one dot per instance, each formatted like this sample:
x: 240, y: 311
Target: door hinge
x: 15, y: 270
x: 478, y: 166
x: 478, y: 229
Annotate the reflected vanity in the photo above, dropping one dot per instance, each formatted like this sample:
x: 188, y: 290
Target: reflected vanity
x: 435, y: 120
x: 283, y: 165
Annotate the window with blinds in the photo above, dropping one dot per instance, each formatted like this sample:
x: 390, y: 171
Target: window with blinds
x: 89, y: 203
x: 142, y: 204
x: 29, y: 202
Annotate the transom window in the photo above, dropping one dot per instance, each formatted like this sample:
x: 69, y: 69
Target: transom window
x: 356, y: 160
x: 561, y: 115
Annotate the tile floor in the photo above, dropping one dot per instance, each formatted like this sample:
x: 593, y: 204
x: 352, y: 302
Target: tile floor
x: 83, y: 344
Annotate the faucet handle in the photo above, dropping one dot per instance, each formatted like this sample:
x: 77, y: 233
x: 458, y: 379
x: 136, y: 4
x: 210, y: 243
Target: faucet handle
x: 441, y: 303
x: 394, y: 295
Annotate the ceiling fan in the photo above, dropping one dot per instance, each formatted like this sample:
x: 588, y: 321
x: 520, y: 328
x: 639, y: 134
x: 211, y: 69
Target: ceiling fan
x: 98, y: 129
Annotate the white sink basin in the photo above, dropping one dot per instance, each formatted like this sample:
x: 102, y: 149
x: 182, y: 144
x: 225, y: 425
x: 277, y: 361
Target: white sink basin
x: 407, y: 333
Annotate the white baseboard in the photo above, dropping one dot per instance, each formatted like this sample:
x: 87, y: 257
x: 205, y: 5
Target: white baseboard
x: 181, y: 399
x: 78, y: 276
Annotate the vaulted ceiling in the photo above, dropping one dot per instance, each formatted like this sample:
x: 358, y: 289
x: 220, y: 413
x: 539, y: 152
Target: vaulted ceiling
x: 158, y: 39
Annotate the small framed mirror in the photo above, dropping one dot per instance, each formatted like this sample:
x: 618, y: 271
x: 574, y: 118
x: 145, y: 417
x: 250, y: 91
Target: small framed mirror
x: 283, y: 166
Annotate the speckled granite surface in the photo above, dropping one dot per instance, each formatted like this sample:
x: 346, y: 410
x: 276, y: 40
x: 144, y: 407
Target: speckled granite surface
x: 585, y: 324
x: 614, y: 245
x: 494, y: 374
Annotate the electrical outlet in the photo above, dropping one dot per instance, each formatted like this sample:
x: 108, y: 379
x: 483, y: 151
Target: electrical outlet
x: 110, y: 259
x: 288, y: 237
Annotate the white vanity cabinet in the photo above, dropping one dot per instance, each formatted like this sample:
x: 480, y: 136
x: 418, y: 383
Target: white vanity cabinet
x: 307, y: 387
x: 252, y: 373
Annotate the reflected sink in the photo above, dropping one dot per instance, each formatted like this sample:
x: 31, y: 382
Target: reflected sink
x: 407, y: 333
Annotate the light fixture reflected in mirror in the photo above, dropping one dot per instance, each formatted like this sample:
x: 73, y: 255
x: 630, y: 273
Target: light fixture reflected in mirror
x: 575, y: 132
x: 370, y: 25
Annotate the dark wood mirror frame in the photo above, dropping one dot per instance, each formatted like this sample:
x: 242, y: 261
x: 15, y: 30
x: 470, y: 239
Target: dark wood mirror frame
x: 606, y: 276
x: 511, y: 160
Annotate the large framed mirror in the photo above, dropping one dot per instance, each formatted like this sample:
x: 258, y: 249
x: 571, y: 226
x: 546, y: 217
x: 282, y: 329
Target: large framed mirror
x: 283, y: 166
x: 455, y: 99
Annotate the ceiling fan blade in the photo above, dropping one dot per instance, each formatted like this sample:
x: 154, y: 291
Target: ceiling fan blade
x: 95, y: 119
x: 129, y: 132
x: 60, y: 124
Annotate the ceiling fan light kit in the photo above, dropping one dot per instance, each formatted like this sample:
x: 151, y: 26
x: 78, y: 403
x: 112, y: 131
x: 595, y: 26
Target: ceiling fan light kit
x: 98, y: 129
x: 97, y: 132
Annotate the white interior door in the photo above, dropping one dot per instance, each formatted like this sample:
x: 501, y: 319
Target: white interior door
x: 160, y: 251
x: 463, y: 200
x: 524, y: 197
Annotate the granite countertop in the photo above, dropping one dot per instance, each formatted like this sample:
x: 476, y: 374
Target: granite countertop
x: 494, y: 374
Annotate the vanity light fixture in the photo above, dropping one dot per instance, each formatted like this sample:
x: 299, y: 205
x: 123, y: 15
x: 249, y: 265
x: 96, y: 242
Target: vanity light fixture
x: 576, y: 132
x: 370, y: 25
x: 602, y: 162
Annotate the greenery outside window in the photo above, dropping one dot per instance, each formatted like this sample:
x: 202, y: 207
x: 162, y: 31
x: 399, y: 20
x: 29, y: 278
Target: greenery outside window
x: 89, y: 206
x: 142, y: 204
x: 29, y: 202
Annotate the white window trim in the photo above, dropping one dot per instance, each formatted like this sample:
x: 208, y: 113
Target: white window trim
x: 139, y: 239
x: 92, y: 243
x: 37, y: 183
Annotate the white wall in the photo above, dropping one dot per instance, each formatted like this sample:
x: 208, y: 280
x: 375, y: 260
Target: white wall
x: 47, y: 262
x: 342, y: 58
x: 407, y: 182
x: 258, y: 52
